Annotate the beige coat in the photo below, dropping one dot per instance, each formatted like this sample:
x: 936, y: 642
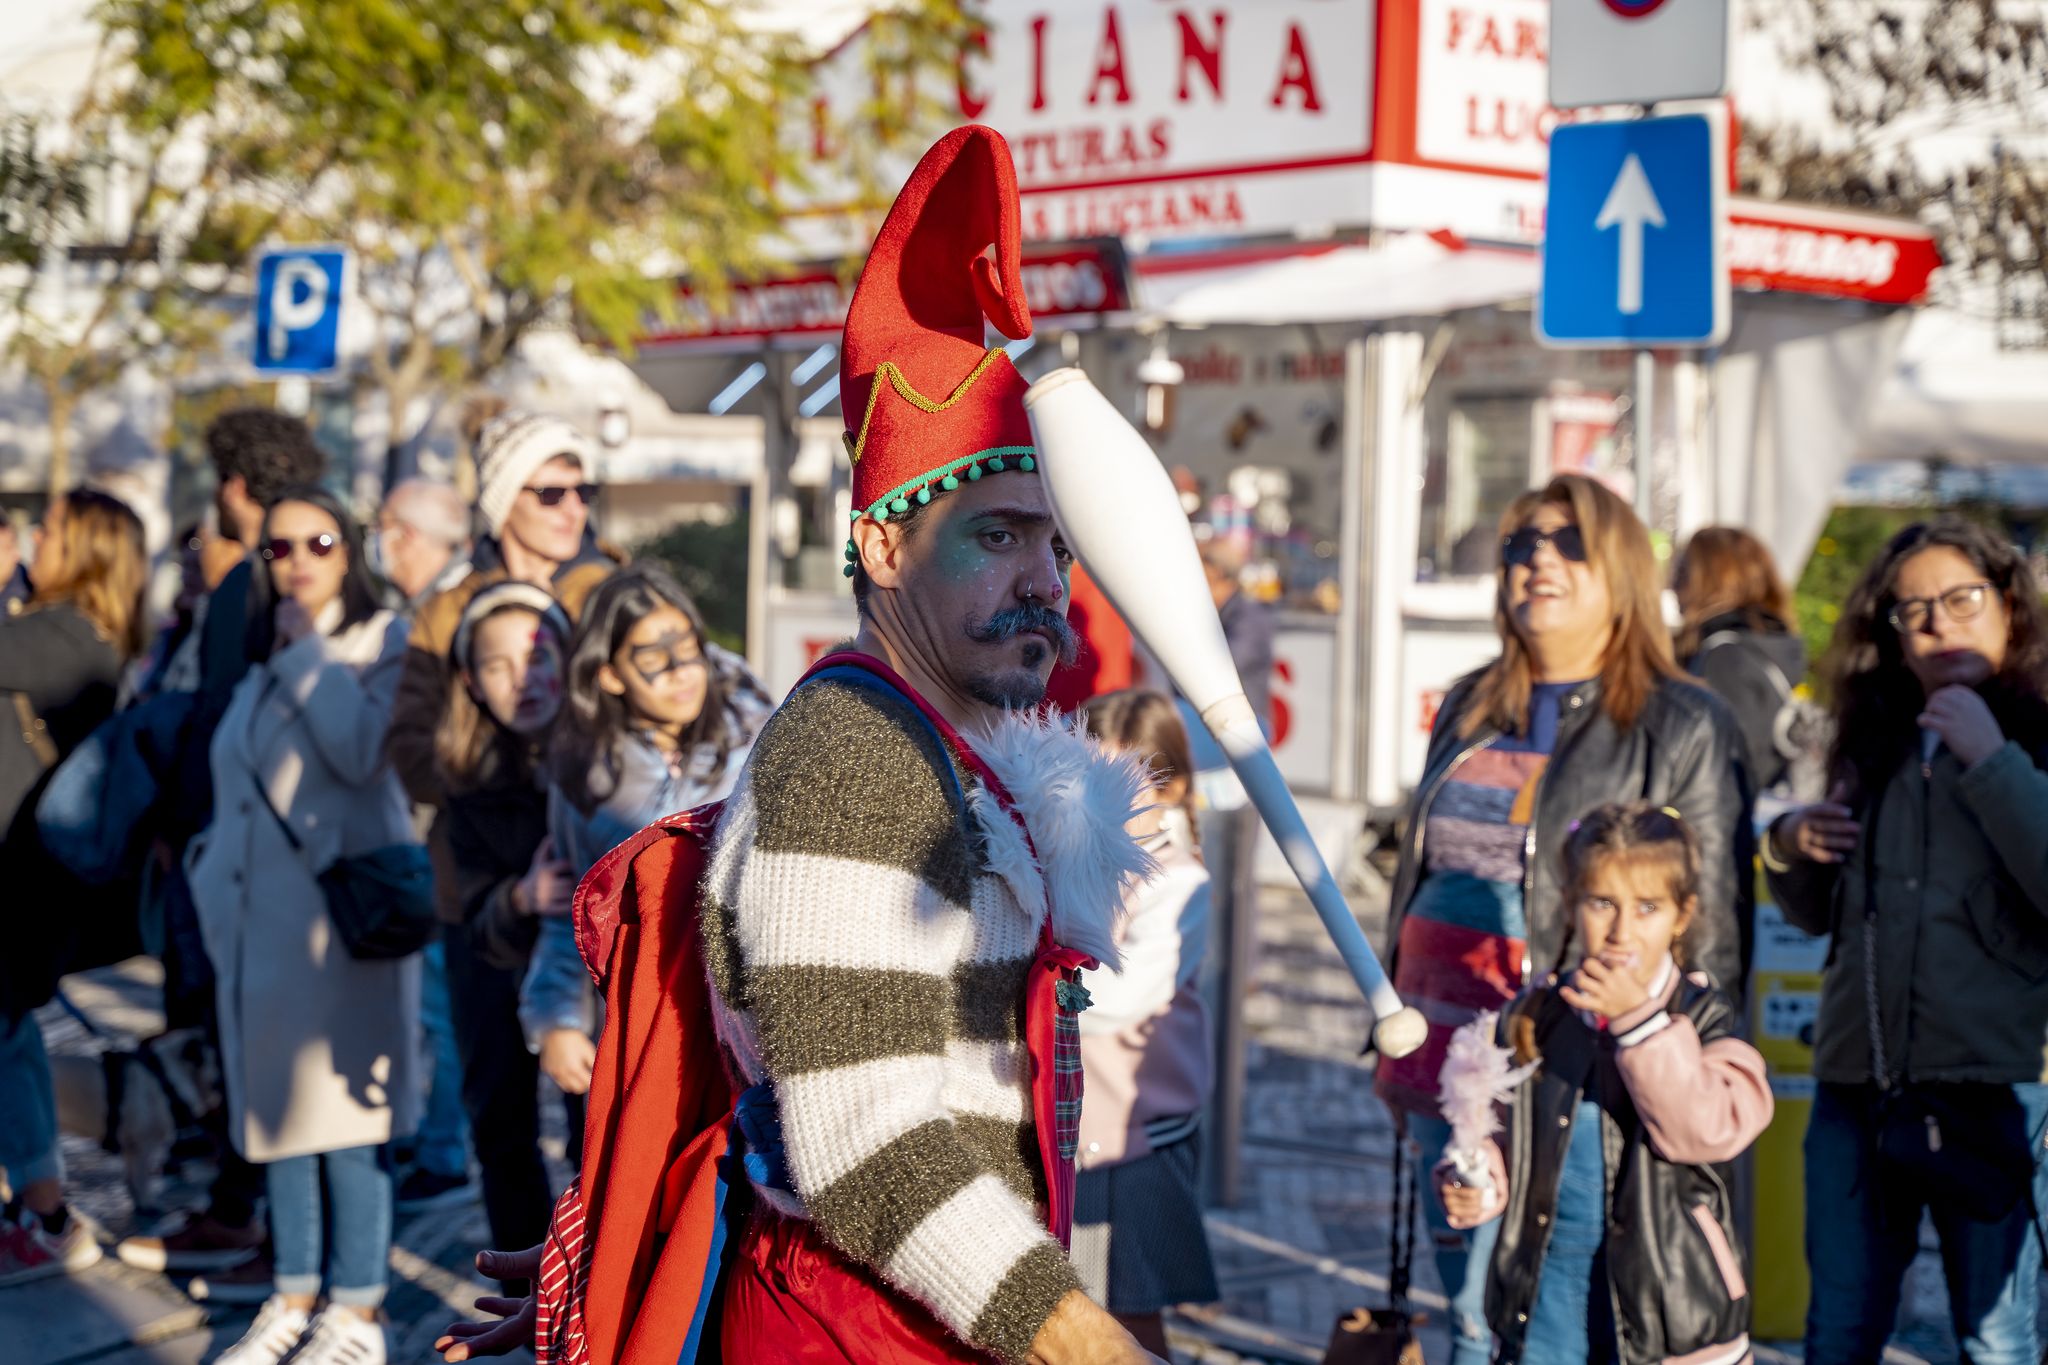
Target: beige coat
x: 317, y: 1047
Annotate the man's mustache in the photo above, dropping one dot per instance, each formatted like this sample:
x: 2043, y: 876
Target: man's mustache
x: 1011, y: 622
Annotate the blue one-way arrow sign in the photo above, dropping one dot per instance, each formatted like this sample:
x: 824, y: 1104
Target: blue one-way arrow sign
x: 1632, y: 235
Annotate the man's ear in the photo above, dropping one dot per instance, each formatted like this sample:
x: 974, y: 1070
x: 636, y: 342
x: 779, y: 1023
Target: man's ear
x: 608, y: 678
x: 880, y: 546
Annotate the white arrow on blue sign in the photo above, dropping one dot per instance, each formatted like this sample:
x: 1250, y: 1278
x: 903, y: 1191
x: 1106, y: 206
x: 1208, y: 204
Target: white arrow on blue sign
x: 1632, y: 235
x: 299, y: 294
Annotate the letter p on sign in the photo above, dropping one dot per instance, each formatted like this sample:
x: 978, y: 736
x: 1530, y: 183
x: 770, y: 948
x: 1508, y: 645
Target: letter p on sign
x: 299, y: 296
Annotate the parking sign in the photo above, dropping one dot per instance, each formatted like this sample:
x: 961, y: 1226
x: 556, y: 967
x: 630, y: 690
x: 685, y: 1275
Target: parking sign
x: 299, y: 294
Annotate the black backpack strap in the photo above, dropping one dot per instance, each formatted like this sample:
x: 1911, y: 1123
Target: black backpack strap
x: 114, y: 1068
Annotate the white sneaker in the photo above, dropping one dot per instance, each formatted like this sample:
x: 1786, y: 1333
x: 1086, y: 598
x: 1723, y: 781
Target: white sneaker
x: 276, y: 1333
x: 341, y: 1337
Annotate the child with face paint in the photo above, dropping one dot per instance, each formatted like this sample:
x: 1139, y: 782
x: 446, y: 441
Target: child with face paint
x: 1617, y: 1238
x: 656, y: 720
x: 491, y: 744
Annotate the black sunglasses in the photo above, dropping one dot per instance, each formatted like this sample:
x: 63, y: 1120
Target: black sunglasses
x: 1519, y: 550
x: 319, y: 546
x: 586, y: 493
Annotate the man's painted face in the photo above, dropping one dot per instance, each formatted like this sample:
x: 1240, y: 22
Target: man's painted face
x: 984, y: 588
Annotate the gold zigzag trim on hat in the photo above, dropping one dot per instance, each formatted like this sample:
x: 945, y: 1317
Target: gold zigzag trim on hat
x: 887, y: 370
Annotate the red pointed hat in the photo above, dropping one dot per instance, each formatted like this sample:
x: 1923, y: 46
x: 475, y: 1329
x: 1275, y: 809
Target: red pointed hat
x: 934, y: 404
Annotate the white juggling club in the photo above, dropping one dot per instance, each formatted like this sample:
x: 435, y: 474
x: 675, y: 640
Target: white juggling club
x: 1121, y: 516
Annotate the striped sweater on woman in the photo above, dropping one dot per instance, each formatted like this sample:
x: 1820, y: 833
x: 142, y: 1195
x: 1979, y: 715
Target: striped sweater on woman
x: 871, y: 916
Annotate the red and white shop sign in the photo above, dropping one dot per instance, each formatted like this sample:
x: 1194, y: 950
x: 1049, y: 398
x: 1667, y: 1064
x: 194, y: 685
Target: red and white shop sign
x: 1816, y: 251
x: 1482, y: 82
x: 1135, y: 116
x: 1061, y: 280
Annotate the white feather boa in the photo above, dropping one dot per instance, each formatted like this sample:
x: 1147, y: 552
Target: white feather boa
x: 1075, y: 798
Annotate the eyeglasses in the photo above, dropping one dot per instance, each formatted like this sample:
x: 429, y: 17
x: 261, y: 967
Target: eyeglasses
x: 1519, y: 550
x: 659, y: 658
x: 319, y: 546
x: 551, y: 496
x: 1965, y: 603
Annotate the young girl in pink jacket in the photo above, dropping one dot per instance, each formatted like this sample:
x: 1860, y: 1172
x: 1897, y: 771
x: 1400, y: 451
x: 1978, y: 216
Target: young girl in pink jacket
x: 1617, y: 1238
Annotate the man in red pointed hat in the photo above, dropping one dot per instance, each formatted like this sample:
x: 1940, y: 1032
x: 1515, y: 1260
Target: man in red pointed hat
x: 916, y: 863
x: 895, y: 906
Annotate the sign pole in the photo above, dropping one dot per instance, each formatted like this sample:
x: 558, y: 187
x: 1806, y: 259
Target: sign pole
x: 1645, y: 432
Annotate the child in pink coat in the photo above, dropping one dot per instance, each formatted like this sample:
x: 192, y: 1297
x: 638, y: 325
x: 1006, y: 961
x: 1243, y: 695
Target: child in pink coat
x: 1617, y: 1240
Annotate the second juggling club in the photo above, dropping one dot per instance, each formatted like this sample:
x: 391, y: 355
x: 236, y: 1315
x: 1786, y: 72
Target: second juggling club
x: 1121, y: 517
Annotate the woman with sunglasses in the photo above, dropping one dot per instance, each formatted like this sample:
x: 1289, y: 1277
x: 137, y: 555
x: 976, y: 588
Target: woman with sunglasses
x: 317, y: 1047
x: 1585, y: 706
x: 1929, y: 865
x: 656, y: 720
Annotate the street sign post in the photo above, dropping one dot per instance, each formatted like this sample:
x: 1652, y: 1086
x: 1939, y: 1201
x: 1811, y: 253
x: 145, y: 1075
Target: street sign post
x: 1637, y: 51
x: 299, y: 295
x: 1632, y: 241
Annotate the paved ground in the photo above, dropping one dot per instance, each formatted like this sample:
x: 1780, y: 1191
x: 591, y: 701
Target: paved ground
x: 1307, y: 1244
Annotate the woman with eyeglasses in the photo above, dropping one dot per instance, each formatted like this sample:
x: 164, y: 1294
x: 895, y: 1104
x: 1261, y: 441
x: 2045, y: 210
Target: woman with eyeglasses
x: 318, y: 1047
x: 656, y: 720
x: 1585, y: 706
x: 1928, y: 863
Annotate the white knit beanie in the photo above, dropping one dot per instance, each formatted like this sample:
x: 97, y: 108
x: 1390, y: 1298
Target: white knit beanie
x: 511, y: 448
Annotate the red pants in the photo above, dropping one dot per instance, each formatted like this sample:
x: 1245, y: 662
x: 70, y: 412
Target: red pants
x: 790, y: 1297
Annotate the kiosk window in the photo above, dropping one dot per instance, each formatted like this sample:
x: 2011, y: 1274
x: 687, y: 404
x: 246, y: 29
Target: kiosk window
x: 1479, y: 467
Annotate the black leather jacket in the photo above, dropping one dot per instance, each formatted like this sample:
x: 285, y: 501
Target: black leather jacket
x: 1683, y: 751
x: 1669, y: 1295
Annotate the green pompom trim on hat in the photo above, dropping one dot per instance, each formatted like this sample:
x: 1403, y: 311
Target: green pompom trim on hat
x: 1027, y: 464
x: 852, y: 553
x: 946, y: 476
x: 847, y: 571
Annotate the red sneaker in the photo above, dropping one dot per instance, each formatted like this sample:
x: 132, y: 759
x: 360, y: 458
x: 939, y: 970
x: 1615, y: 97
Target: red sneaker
x: 29, y: 1253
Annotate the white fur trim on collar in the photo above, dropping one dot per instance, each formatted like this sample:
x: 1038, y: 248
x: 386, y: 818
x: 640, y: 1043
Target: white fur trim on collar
x: 1074, y: 798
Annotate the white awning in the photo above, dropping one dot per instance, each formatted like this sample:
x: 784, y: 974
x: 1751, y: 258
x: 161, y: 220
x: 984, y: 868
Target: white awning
x: 1416, y: 275
x: 1954, y: 394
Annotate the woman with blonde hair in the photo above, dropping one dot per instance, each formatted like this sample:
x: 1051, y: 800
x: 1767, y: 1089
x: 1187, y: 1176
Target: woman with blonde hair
x: 1585, y: 706
x: 60, y: 667
x: 1736, y: 636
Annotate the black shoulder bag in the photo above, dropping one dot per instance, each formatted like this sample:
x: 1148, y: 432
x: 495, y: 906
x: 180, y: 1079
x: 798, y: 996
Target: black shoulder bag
x: 381, y: 902
x: 1365, y: 1336
x: 1965, y: 1143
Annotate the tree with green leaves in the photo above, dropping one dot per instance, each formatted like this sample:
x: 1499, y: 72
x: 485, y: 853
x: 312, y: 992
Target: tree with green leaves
x: 496, y: 166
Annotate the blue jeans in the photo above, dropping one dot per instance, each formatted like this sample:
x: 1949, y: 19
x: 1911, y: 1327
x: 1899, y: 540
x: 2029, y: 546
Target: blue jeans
x: 1573, y: 1317
x: 442, y: 1143
x: 350, y: 1238
x: 1462, y: 1258
x: 1862, y: 1231
x: 28, y: 1106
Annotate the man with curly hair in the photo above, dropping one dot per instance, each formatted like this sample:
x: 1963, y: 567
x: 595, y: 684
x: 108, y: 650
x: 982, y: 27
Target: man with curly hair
x: 257, y: 455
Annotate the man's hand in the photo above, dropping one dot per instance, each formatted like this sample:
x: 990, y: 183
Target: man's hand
x: 1080, y: 1333
x: 514, y: 1329
x: 1965, y: 724
x: 1468, y: 1205
x: 567, y: 1056
x: 1605, y: 988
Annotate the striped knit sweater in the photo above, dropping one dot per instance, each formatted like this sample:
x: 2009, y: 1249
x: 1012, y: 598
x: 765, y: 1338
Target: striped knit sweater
x: 870, y: 920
